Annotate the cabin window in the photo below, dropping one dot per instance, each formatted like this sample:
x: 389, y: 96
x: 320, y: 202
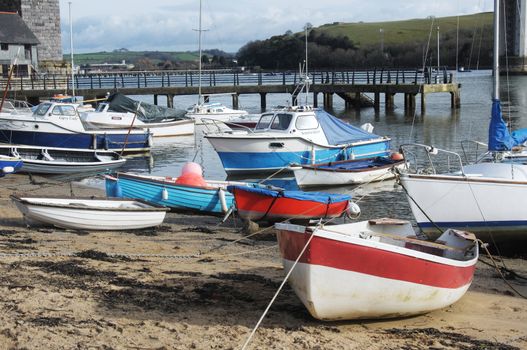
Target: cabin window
x: 100, y: 107
x: 305, y: 122
x: 64, y: 110
x: 264, y: 121
x: 42, y: 109
x: 281, y: 121
x: 4, y: 47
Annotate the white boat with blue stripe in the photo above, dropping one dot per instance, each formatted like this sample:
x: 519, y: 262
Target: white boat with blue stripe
x: 300, y: 135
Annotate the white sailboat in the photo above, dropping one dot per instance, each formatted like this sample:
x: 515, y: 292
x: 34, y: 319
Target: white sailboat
x: 203, y: 111
x: 488, y: 198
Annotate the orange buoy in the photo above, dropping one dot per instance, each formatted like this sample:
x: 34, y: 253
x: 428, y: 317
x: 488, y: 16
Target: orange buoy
x: 396, y: 156
x: 191, y: 175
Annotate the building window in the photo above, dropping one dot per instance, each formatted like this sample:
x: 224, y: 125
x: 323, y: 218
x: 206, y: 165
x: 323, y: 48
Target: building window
x: 4, y: 47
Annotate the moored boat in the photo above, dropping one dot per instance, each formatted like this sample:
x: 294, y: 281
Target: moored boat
x: 346, y: 172
x: 90, y: 213
x: 51, y: 160
x: 375, y: 269
x: 488, y: 197
x: 122, y: 112
x: 55, y: 124
x: 300, y: 135
x: 181, y: 193
x: 258, y: 203
x: 9, y: 164
x: 204, y: 113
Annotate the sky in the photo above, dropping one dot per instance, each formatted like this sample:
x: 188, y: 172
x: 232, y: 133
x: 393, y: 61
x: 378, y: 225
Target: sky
x: 170, y: 25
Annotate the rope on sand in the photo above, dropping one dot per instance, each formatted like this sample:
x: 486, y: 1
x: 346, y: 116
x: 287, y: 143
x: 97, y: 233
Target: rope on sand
x: 484, y: 246
x: 278, y: 291
x: 113, y: 255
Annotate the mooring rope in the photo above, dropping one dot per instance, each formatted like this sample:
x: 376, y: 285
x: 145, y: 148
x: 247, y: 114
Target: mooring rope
x: 278, y: 291
x: 484, y: 246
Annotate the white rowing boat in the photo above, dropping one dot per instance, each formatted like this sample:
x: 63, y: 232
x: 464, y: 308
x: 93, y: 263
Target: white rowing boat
x: 90, y: 213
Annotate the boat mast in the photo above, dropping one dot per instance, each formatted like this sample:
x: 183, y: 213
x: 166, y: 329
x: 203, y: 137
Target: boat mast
x: 199, y: 49
x: 496, y: 61
x: 457, y: 44
x: 71, y: 53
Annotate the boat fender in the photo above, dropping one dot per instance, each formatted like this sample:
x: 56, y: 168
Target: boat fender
x: 113, y: 188
x: 353, y: 210
x: 106, y: 143
x: 396, y: 156
x: 8, y: 169
x: 164, y: 194
x: 223, y: 201
x: 367, y: 127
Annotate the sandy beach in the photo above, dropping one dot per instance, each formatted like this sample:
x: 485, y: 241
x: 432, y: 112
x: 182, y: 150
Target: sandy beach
x: 193, y: 284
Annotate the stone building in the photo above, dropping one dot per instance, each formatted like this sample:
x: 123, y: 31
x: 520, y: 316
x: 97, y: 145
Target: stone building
x: 43, y: 19
x: 18, y: 42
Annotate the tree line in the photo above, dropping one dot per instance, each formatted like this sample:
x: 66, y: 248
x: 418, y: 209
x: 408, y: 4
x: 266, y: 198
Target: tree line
x: 324, y: 51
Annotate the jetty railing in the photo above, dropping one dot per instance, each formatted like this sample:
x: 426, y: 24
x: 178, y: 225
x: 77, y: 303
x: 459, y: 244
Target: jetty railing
x: 188, y: 78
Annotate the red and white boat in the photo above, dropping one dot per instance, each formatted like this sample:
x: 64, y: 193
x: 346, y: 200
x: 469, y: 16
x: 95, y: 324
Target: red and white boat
x: 376, y: 268
x: 259, y: 203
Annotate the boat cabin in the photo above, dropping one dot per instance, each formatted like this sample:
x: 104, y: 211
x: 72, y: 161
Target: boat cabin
x: 64, y: 113
x: 302, y: 123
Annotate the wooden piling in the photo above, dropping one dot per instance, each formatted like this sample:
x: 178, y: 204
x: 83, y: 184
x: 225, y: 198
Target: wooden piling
x: 235, y: 101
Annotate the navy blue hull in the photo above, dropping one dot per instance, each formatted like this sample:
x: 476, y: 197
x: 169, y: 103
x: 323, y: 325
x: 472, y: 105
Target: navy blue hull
x: 109, y: 141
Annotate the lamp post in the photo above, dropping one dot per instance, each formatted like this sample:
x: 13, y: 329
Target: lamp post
x: 381, y: 31
x: 438, y: 49
x: 71, y: 53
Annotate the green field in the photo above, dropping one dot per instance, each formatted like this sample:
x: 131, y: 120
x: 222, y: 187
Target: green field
x: 133, y: 57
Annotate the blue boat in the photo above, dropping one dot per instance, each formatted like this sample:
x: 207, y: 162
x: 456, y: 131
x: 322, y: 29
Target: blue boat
x: 54, y: 124
x: 9, y: 165
x: 299, y: 135
x: 211, y: 199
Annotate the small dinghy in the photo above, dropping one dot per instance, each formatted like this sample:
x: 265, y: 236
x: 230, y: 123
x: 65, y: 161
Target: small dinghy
x: 376, y: 269
x: 256, y: 204
x: 9, y: 165
x: 90, y: 213
x: 52, y: 160
x: 189, y: 192
x: 346, y: 172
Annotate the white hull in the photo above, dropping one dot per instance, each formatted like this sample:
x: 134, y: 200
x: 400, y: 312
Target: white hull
x: 483, y: 204
x: 206, y: 118
x: 88, y: 214
x: 333, y: 294
x: 312, y: 177
x: 163, y: 129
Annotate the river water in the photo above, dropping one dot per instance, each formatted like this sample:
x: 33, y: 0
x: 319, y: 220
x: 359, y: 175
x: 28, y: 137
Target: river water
x: 440, y: 126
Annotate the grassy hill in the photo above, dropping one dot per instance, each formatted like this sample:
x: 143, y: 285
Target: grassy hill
x: 407, y: 31
x: 403, y: 45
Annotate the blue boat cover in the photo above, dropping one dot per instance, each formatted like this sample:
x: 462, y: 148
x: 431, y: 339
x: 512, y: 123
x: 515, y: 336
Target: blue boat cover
x: 339, y: 133
x: 519, y: 136
x: 320, y: 197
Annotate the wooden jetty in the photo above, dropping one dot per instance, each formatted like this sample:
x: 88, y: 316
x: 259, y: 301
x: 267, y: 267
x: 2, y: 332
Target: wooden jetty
x: 352, y: 86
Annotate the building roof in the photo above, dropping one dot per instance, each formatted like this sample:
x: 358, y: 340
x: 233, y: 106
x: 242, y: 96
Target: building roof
x: 14, y: 30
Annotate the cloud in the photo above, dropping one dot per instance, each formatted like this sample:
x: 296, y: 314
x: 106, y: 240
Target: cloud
x: 102, y: 25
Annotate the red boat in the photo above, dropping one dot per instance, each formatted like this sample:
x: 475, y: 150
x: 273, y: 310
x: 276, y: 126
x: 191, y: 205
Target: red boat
x: 254, y: 203
x: 375, y: 269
